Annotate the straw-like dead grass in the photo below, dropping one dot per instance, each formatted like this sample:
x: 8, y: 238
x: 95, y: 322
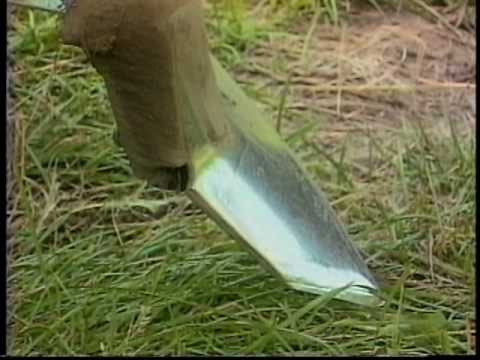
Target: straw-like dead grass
x: 377, y: 70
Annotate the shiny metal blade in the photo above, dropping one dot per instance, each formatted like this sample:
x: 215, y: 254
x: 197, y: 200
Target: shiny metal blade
x: 258, y: 192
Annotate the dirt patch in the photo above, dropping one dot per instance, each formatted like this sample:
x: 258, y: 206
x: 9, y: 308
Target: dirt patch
x: 377, y: 71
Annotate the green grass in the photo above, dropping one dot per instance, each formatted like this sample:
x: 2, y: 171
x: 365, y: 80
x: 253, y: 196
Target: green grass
x: 99, y: 268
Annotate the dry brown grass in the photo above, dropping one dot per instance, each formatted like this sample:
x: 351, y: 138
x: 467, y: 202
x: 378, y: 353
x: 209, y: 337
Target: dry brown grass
x: 376, y: 71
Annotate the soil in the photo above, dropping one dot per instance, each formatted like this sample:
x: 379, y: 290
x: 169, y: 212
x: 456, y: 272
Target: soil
x: 374, y: 72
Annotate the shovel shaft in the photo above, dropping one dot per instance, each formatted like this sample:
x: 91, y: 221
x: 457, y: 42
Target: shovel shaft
x: 153, y: 56
x: 130, y: 44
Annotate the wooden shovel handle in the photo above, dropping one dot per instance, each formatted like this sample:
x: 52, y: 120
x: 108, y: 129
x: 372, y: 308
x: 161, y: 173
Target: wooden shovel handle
x: 131, y: 44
